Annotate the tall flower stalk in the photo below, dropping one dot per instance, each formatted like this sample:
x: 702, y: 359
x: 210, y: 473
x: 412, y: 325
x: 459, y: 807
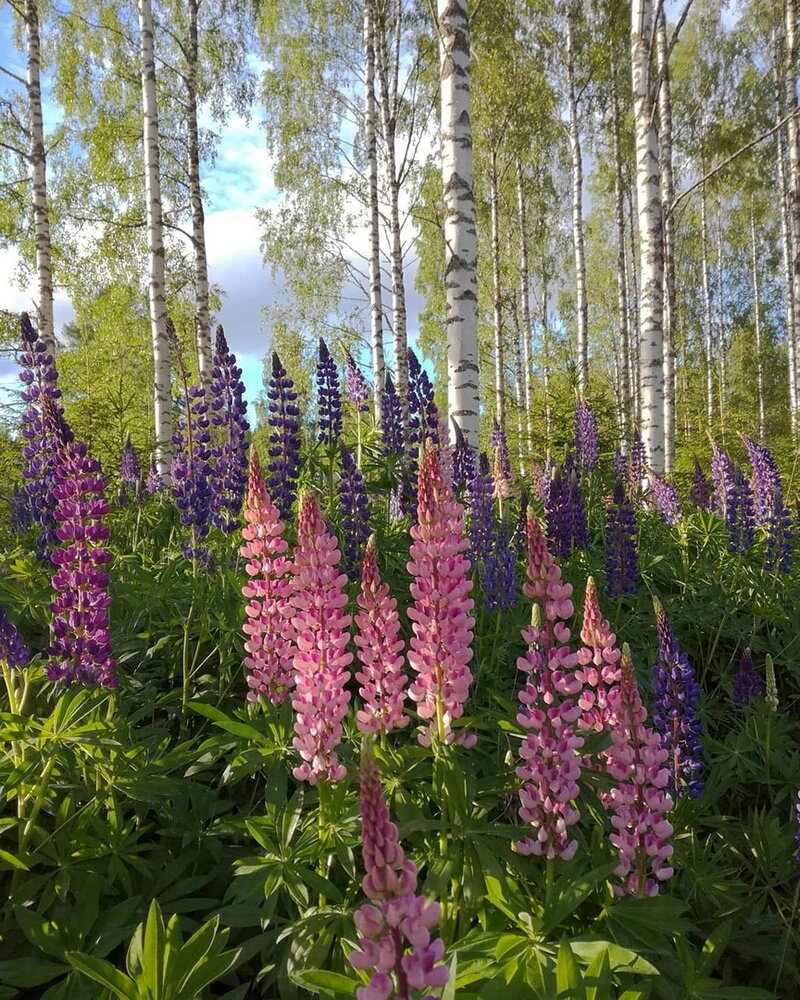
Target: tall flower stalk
x: 587, y: 439
x: 622, y: 562
x: 329, y: 397
x: 747, y: 684
x: 355, y: 510
x: 598, y: 664
x: 284, y: 439
x: 228, y: 479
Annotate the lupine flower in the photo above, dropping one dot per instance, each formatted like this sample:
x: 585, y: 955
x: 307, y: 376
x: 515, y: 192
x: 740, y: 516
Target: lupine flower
x: 700, y: 494
x: 539, y: 478
x: 565, y: 510
x: 587, y: 440
x: 284, y: 439
x: 576, y: 506
x: 463, y: 462
x: 270, y: 643
x: 383, y: 683
x: 395, y: 926
x: 13, y: 651
x: 190, y: 471
x: 598, y: 664
x: 733, y: 500
x: 766, y: 478
x: 329, y: 397
x: 769, y: 508
x: 153, y: 483
x: 229, y: 455
x: 423, y: 415
x: 747, y: 684
x: 320, y: 697
x: 620, y: 465
x: 503, y: 476
x: 551, y: 763
x: 391, y: 419
x: 622, y: 563
x: 639, y: 802
x: 637, y: 466
x: 676, y: 693
x: 441, y: 647
x: 481, y: 516
x: 19, y: 511
x: 80, y: 651
x: 356, y: 390
x: 665, y: 498
x: 355, y: 510
x: 499, y: 582
x: 771, y: 687
x: 519, y: 537
x: 797, y: 824
x: 778, y: 550
x: 129, y: 470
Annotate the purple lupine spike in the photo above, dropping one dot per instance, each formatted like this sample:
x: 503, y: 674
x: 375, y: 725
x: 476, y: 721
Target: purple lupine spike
x: 13, y: 651
x: 329, y: 397
x: 537, y: 481
x: 499, y: 581
x: 747, y: 684
x: 502, y: 462
x: 519, y: 537
x: 20, y: 517
x: 797, y: 834
x: 228, y: 465
x: 464, y: 469
x: 700, y: 494
x: 355, y: 512
x: 423, y: 413
x: 482, y: 524
x: 129, y: 464
x: 778, y: 551
x: 356, y: 389
x: 622, y: 563
x: 80, y: 652
x: 284, y: 439
x: 769, y: 508
x: 558, y: 528
x: 676, y: 694
x: 575, y: 506
x: 620, y: 465
x: 190, y: 471
x: 153, y: 482
x: 391, y: 419
x: 766, y: 478
x: 665, y: 498
x: 733, y: 500
x: 587, y: 439
x: 637, y: 465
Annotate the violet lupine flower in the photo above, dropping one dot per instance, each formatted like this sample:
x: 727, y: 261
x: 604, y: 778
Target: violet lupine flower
x: 329, y: 397
x: 565, y: 510
x: 551, y: 762
x: 778, y: 551
x: 539, y: 476
x: 797, y: 823
x: 665, y: 498
x: 733, y: 500
x: 320, y: 697
x: 284, y: 439
x: 270, y: 643
x: 391, y: 419
x: 228, y: 465
x: 14, y: 654
x: 356, y: 389
x: 423, y: 419
x: 769, y: 508
x: 747, y: 684
x: 153, y: 483
x: 676, y: 694
x: 700, y: 494
x: 380, y: 652
x: 500, y: 584
x: 503, y: 476
x: 622, y: 563
x: 575, y: 506
x: 481, y: 517
x: 639, y: 803
x: 464, y: 459
x: 441, y: 647
x: 19, y: 511
x: 355, y: 511
x: 766, y: 478
x: 519, y: 536
x: 394, y: 928
x: 190, y: 472
x: 587, y: 440
x: 80, y: 652
x: 129, y: 470
x: 620, y: 465
x: 598, y: 664
x: 637, y: 465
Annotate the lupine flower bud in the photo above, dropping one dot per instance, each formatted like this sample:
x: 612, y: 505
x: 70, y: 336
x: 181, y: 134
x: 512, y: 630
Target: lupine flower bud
x: 771, y: 693
x: 228, y: 479
x: 355, y: 510
x: 464, y: 459
x: 499, y: 582
x: 423, y: 414
x: 747, y: 684
x: 329, y: 397
x: 622, y: 564
x: 13, y: 651
x: 356, y: 390
x: 284, y: 439
x: 587, y: 440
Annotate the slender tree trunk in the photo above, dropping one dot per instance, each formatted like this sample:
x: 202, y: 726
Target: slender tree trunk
x: 459, y: 219
x: 202, y: 316
x: 793, y: 175
x: 497, y: 305
x: 375, y: 281
x: 762, y: 417
x: 37, y: 158
x: 668, y: 234
x: 162, y: 397
x: 578, y: 235
x: 708, y: 322
x: 786, y: 247
x: 525, y: 295
x: 519, y: 390
x: 633, y: 313
x: 622, y: 278
x: 722, y: 340
x: 651, y: 296
x: 548, y: 411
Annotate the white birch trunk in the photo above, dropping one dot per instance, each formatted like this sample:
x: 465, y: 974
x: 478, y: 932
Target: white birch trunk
x: 651, y: 268
x: 525, y: 294
x: 497, y: 310
x: 633, y: 314
x: 37, y: 158
x: 786, y: 248
x: 578, y: 235
x: 519, y: 392
x: 668, y: 236
x: 622, y: 281
x: 722, y: 340
x: 162, y: 396
x: 548, y: 410
x: 793, y: 178
x: 708, y: 322
x: 463, y: 389
x: 762, y: 418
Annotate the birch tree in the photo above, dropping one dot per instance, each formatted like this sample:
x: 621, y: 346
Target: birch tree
x: 578, y: 234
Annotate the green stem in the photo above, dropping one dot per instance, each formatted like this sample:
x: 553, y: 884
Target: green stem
x: 186, y: 669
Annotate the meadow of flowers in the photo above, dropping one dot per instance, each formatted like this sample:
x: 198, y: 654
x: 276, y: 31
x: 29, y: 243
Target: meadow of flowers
x: 367, y: 715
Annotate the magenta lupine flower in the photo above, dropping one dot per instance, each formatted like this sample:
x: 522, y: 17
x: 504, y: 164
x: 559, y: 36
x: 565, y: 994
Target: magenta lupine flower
x: 395, y: 942
x: 269, y: 630
x: 80, y: 651
x: 441, y: 647
x: 598, y: 660
x: 320, y: 697
x: 551, y: 762
x: 640, y: 802
x: 380, y: 651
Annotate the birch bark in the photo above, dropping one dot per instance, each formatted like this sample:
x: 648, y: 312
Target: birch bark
x: 525, y: 295
x: 708, y: 322
x: 578, y: 235
x: 793, y: 174
x: 622, y: 277
x: 786, y: 247
x: 668, y: 236
x: 497, y: 309
x: 762, y: 421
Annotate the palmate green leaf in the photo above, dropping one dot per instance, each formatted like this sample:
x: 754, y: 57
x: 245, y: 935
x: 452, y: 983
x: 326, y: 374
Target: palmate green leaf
x: 324, y: 983
x: 236, y: 728
x: 208, y: 971
x: 569, y: 981
x: 620, y: 959
x: 153, y: 948
x: 104, y: 973
x: 599, y: 973
x: 568, y: 893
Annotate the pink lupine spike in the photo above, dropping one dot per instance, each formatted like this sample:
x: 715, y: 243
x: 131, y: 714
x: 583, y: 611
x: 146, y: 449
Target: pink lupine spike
x: 598, y: 659
x: 395, y: 926
x: 270, y: 643
x: 639, y: 802
x: 551, y: 762
x: 320, y: 697
x: 381, y: 678
x: 441, y: 647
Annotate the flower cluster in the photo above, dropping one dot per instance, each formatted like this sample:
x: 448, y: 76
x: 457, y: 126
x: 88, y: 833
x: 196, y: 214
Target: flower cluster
x: 598, y: 664
x: 391, y: 419
x: 80, y: 651
x: 639, y: 802
x: 355, y: 510
x: 769, y: 507
x: 318, y: 598
x: 13, y: 651
x: 270, y: 635
x: 19, y: 510
x: 383, y: 683
x: 519, y: 536
x: 622, y: 563
x: 700, y: 493
x: 565, y: 509
x: 463, y: 461
x: 587, y: 440
x: 129, y: 468
x: 676, y: 694
x: 747, y: 684
x: 637, y: 466
x: 441, y: 647
x: 284, y: 439
x: 190, y: 471
x: 551, y: 763
x: 665, y: 499
x: 503, y: 476
x: 153, y: 482
x: 499, y: 582
x: 356, y: 389
x: 481, y: 519
x: 423, y: 415
x: 733, y: 500
x: 229, y: 456
x: 329, y: 397
x: 394, y: 928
